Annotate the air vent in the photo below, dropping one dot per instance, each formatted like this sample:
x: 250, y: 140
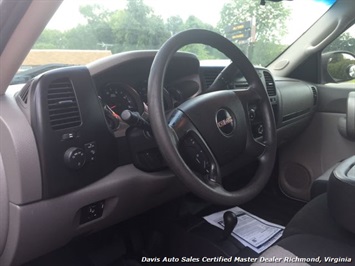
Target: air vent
x: 270, y: 84
x: 62, y: 105
x: 315, y: 95
x: 24, y: 93
x: 210, y: 74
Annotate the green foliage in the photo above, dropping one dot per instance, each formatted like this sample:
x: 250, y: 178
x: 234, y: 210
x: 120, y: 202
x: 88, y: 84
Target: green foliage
x: 134, y: 28
x: 262, y: 53
x: 81, y: 37
x: 270, y: 19
x: 202, y: 51
x: 50, y: 39
x: 270, y: 27
x: 137, y: 27
x: 175, y: 24
x: 98, y: 28
x: 345, y: 42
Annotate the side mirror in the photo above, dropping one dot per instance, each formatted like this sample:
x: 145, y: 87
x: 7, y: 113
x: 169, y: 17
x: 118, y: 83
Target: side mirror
x: 338, y: 66
x: 351, y: 71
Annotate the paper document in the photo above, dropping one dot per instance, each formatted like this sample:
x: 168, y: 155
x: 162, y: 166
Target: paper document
x: 251, y: 231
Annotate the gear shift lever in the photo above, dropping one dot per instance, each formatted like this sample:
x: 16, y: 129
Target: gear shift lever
x: 230, y: 220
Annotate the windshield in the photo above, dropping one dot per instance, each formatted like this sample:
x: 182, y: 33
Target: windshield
x: 83, y: 31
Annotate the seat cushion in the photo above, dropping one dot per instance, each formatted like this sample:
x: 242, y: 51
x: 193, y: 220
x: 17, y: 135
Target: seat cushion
x: 312, y: 237
x: 278, y: 255
x: 310, y: 246
x: 304, y: 249
x: 314, y: 219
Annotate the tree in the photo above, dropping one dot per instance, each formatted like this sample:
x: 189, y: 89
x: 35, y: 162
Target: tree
x: 133, y: 28
x: 137, y: 27
x: 98, y: 22
x: 174, y: 25
x: 264, y: 52
x: 345, y: 42
x: 81, y: 37
x: 50, y: 39
x: 270, y: 22
x: 270, y: 19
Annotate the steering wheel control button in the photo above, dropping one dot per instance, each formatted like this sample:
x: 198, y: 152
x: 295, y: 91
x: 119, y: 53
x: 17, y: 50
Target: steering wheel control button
x: 90, y: 151
x: 252, y: 114
x: 260, y: 130
x: 92, y: 212
x: 195, y: 156
x: 212, y: 173
x: 225, y: 122
x: 74, y: 158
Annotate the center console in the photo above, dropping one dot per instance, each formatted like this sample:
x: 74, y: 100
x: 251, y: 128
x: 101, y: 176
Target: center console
x: 341, y: 194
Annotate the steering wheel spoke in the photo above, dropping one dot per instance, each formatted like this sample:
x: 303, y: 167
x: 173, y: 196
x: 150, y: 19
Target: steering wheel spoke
x: 254, y: 148
x: 180, y: 125
x: 213, y: 177
x: 193, y: 148
x: 254, y: 144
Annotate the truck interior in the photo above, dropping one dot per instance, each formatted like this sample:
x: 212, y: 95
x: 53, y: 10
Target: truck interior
x: 118, y: 161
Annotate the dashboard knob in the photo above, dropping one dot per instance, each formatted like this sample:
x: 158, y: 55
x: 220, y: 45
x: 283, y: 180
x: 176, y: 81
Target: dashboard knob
x: 74, y: 158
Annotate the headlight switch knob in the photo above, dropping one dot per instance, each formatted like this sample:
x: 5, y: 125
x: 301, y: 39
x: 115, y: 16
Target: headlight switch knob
x: 74, y: 158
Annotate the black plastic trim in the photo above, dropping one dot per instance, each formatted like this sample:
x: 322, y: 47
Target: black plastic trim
x: 57, y: 177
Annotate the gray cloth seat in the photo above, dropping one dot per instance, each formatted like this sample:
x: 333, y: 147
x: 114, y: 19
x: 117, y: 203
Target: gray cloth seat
x: 305, y: 249
x: 313, y: 233
x: 323, y: 231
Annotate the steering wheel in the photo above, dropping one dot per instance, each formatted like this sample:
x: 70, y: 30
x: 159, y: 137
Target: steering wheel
x: 213, y: 127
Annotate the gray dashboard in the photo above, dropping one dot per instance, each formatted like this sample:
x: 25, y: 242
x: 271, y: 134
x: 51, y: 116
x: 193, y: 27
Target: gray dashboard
x: 41, y: 204
x: 293, y: 101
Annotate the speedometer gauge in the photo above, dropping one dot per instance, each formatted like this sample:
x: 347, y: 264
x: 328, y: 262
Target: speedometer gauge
x: 120, y: 97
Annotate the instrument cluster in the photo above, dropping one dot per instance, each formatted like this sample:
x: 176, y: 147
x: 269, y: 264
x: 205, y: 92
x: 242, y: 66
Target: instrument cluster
x: 120, y: 96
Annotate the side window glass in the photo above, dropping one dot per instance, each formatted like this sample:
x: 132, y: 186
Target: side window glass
x: 338, y: 59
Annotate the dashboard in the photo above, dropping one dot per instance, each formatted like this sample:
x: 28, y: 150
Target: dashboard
x: 90, y: 120
x: 78, y: 169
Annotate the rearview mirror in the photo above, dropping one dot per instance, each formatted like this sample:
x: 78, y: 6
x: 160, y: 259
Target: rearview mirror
x: 338, y: 66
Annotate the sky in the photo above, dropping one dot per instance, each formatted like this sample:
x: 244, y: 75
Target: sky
x: 303, y: 14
